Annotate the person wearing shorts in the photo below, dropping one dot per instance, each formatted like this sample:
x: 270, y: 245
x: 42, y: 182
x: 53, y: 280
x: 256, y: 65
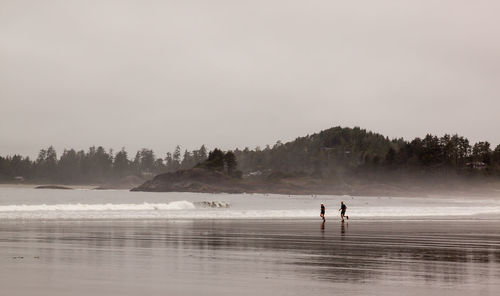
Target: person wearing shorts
x: 322, y: 213
x: 342, y: 210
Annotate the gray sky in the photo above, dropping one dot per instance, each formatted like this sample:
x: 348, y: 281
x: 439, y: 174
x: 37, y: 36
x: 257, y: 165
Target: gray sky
x: 243, y: 73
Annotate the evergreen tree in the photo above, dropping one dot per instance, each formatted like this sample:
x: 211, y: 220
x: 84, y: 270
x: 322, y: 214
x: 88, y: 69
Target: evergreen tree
x: 231, y: 163
x: 481, y: 152
x: 159, y: 166
x: 169, y: 162
x: 215, y: 160
x: 187, y: 161
x: 199, y: 155
x: 69, y: 167
x: 47, y: 164
x: 121, y: 164
x: 136, y: 163
x: 176, y: 158
x: 202, y: 153
x: 147, y: 160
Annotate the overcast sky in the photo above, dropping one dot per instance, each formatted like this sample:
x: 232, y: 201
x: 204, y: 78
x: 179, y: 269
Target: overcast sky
x: 243, y: 73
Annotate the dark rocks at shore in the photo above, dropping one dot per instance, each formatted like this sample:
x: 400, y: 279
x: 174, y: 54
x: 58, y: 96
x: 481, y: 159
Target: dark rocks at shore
x: 53, y: 187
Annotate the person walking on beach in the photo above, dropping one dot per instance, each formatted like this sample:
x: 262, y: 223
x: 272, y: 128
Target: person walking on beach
x: 342, y: 210
x: 322, y: 214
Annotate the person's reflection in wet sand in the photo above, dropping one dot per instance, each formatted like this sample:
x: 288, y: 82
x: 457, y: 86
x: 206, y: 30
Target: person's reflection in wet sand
x: 343, y: 227
x: 323, y: 229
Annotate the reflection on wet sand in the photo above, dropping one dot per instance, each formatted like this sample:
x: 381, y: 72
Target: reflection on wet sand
x: 343, y: 226
x: 422, y: 254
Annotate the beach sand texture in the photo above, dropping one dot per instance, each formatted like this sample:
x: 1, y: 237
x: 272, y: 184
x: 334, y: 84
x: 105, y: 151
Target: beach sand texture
x: 250, y: 257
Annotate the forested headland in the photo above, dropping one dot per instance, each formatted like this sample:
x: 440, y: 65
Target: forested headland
x: 339, y: 156
x: 341, y: 152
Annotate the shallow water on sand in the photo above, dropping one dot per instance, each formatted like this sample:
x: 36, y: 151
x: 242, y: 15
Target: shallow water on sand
x: 249, y: 257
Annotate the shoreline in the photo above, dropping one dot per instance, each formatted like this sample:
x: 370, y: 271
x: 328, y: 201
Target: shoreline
x: 373, y: 191
x: 369, y: 191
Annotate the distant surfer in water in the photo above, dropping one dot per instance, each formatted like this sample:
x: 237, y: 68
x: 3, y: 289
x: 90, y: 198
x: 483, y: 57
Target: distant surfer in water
x: 342, y: 210
x: 322, y: 214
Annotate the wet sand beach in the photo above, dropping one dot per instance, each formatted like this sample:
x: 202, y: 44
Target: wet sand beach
x: 250, y: 257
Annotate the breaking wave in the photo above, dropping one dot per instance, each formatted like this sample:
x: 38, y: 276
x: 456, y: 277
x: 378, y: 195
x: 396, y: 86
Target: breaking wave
x: 183, y: 209
x: 175, y: 205
x: 213, y: 204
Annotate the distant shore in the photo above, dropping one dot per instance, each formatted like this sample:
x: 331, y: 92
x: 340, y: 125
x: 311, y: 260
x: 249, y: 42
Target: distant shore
x: 395, y: 189
x: 64, y: 186
x: 207, y: 181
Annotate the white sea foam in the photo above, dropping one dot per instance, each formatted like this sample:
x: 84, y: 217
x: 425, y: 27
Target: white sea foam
x: 213, y: 204
x: 175, y: 205
x: 188, y: 210
x: 74, y: 204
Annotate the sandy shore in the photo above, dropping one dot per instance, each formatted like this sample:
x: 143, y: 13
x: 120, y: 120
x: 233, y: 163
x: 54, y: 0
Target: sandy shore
x: 274, y: 257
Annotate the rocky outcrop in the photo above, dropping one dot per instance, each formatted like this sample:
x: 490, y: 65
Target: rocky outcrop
x: 193, y: 180
x: 53, y: 187
x: 210, y: 181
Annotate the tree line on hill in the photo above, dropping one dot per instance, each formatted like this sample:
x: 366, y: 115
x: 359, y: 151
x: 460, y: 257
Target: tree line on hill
x: 330, y: 154
x: 339, y: 152
x: 96, y: 165
x: 224, y: 162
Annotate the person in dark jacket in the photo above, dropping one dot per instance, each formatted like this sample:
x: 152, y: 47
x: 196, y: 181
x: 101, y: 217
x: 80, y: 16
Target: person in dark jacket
x: 322, y: 214
x: 342, y: 210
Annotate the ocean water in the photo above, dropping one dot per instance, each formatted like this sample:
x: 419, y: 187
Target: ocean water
x: 29, y: 203
x: 89, y: 242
